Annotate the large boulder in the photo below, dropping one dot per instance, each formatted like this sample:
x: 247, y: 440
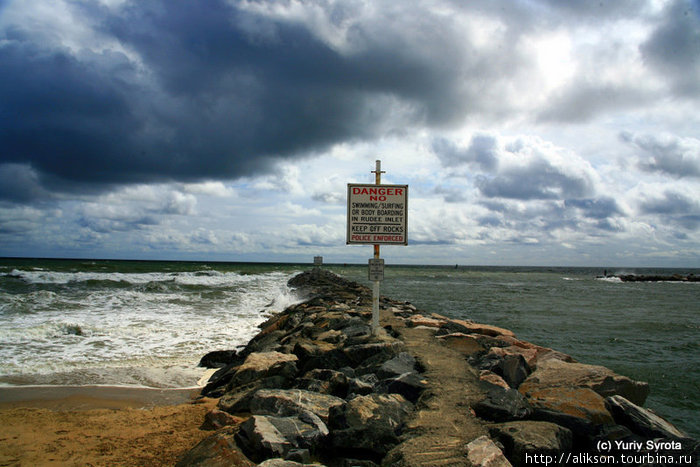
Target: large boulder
x: 514, y: 370
x: 576, y: 401
x: 556, y: 373
x: 237, y: 398
x: 319, y: 354
x: 464, y: 343
x: 397, y: 366
x: 528, y: 438
x: 641, y: 421
x: 260, y: 365
x: 217, y: 450
x: 369, y: 425
x: 289, y: 402
x: 377, y: 352
x: 502, y: 405
x: 262, y: 437
x: 409, y: 385
x: 219, y: 359
x: 325, y: 381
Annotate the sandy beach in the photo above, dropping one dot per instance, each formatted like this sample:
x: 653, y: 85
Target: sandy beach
x: 98, y: 426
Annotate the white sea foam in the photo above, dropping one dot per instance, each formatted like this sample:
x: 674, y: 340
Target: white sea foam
x: 151, y: 333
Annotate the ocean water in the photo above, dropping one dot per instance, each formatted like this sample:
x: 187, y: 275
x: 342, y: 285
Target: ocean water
x: 148, y: 323
x: 128, y: 323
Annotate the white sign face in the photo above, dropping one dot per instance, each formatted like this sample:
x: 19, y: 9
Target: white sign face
x: 376, y: 269
x: 377, y: 214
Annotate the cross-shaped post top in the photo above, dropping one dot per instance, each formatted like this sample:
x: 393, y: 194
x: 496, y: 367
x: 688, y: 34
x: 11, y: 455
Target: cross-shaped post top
x: 378, y: 173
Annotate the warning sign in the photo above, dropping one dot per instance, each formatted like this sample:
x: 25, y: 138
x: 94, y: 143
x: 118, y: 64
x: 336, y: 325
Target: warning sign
x: 377, y: 214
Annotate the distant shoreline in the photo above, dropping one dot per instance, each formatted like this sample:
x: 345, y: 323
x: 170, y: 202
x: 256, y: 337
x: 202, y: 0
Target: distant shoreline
x: 352, y: 263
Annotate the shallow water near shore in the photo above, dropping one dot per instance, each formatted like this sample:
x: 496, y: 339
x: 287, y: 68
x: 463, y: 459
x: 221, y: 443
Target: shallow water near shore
x: 148, y: 323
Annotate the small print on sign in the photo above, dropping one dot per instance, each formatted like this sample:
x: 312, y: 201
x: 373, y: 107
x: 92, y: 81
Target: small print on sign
x: 376, y: 269
x: 377, y: 214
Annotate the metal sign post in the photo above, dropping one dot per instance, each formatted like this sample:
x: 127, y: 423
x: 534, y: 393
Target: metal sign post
x: 377, y: 214
x: 375, y: 289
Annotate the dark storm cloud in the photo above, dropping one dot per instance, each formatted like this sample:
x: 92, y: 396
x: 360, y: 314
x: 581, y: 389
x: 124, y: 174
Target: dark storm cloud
x: 537, y: 180
x: 482, y: 152
x: 213, y: 91
x: 674, y: 208
x: 674, y: 48
x: 600, y: 208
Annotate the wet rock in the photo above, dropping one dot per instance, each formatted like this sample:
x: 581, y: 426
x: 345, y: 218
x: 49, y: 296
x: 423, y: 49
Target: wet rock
x: 216, y: 386
x: 642, y: 421
x: 288, y: 402
x: 217, y: 450
x: 482, y: 452
x: 501, y: 405
x: 369, y: 424
x: 556, y: 373
x: 527, y: 438
x: 219, y: 359
x: 262, y: 437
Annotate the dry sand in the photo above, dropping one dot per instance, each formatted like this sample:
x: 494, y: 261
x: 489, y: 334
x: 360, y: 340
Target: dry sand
x: 98, y: 426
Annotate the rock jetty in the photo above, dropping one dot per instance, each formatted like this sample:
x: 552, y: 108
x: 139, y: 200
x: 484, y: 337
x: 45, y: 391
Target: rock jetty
x: 654, y: 277
x: 317, y: 387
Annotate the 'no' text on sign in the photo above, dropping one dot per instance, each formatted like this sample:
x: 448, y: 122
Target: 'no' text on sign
x: 377, y: 214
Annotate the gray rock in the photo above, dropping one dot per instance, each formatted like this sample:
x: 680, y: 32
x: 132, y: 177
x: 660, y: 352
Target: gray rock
x: 402, y: 363
x: 237, y: 399
x: 502, y: 405
x: 409, y: 385
x: 514, y: 370
x: 641, y: 421
x: 219, y: 359
x: 292, y: 402
x: 378, y: 352
x: 262, y: 437
x: 319, y: 354
x: 369, y: 424
x: 325, y: 381
x: 526, y: 438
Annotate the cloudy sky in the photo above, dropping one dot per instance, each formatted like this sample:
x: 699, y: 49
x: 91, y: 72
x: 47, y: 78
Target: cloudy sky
x: 530, y: 132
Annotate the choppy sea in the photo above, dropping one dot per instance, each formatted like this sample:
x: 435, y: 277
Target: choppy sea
x: 147, y: 324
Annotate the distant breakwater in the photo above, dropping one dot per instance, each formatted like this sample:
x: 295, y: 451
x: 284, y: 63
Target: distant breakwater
x: 658, y: 278
x: 316, y: 387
